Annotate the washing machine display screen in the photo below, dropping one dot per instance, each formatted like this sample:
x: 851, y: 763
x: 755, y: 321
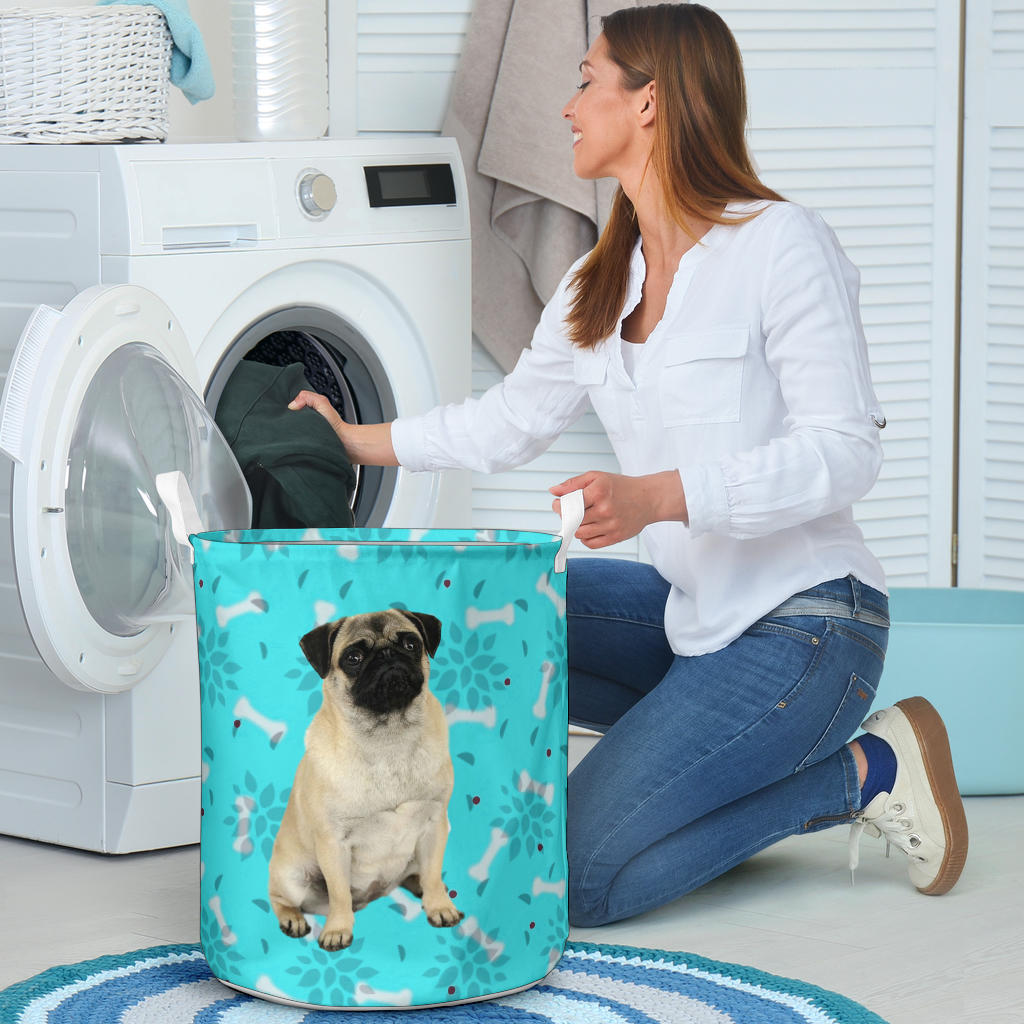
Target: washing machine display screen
x: 138, y: 419
x: 410, y: 185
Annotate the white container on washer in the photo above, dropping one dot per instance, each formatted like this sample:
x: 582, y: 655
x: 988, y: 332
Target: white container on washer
x: 280, y: 68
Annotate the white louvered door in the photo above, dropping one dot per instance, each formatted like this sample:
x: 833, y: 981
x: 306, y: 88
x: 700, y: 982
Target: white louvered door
x: 394, y: 62
x: 991, y: 526
x: 853, y: 111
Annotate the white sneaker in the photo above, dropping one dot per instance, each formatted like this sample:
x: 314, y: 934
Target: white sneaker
x: 923, y: 815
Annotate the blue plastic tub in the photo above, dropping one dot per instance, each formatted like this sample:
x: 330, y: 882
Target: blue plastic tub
x: 964, y: 651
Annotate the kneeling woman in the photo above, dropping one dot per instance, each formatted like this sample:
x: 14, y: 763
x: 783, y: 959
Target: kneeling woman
x: 715, y: 329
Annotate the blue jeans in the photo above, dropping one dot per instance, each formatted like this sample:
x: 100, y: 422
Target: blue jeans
x: 706, y: 760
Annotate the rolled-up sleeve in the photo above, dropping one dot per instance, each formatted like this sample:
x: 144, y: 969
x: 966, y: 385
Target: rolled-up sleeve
x: 511, y: 423
x: 829, y: 454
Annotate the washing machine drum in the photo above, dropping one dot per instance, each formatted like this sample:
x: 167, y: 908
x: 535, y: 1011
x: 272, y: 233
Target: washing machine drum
x: 321, y: 365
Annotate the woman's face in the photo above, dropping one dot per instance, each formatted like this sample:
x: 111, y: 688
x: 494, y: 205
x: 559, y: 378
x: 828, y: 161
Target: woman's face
x: 606, y: 135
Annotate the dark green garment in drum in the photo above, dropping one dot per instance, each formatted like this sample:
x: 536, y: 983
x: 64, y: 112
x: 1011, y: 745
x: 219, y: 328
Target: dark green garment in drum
x: 293, y: 462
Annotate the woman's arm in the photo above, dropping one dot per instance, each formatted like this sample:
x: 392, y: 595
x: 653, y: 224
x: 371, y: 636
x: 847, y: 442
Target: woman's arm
x: 828, y: 453
x: 365, y: 444
x: 511, y: 423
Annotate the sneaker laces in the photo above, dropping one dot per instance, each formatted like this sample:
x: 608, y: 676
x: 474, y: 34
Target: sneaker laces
x: 894, y: 824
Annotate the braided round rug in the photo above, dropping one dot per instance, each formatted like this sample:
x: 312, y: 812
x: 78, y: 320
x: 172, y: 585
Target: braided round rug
x: 591, y: 984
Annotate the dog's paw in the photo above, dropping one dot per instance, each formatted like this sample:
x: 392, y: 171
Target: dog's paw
x: 293, y: 924
x: 333, y: 939
x: 444, y: 916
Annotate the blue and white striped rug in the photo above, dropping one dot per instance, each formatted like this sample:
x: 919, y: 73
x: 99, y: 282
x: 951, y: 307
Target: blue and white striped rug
x: 592, y: 984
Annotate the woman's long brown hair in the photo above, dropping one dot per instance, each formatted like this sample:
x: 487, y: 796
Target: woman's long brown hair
x: 699, y: 152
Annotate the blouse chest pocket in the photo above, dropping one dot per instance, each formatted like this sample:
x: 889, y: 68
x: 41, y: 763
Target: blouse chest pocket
x: 702, y: 381
x: 590, y: 369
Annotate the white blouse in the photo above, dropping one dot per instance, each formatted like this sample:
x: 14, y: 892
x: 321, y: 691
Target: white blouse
x: 754, y: 385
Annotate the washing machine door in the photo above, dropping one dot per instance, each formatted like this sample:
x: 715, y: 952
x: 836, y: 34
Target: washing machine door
x: 101, y: 398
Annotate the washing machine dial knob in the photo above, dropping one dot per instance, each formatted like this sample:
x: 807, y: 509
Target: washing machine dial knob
x: 317, y: 194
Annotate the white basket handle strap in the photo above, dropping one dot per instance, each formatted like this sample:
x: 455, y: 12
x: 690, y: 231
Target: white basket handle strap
x: 177, y: 496
x: 571, y: 505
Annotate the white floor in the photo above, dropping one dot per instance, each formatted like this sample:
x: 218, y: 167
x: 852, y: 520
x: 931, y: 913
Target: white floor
x: 955, y: 959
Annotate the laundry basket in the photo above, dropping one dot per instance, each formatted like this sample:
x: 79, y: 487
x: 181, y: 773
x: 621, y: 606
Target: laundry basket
x: 84, y: 74
x: 307, y: 764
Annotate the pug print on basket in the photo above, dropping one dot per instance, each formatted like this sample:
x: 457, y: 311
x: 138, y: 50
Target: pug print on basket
x: 368, y: 810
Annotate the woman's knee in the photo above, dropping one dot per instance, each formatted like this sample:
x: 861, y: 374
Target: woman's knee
x: 587, y: 912
x: 588, y: 887
x: 593, y: 865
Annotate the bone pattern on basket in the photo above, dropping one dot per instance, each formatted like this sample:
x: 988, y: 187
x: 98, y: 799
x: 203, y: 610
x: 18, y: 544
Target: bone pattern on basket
x: 500, y: 675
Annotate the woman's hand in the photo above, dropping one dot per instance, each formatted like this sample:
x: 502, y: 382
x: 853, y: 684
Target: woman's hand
x: 322, y: 404
x: 618, y: 507
x: 365, y: 444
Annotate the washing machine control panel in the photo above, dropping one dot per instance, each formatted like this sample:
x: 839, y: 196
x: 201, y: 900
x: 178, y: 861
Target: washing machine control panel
x: 404, y: 184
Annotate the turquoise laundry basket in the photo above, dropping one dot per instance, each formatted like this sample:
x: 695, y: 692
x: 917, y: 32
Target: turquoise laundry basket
x: 499, y: 673
x: 963, y: 649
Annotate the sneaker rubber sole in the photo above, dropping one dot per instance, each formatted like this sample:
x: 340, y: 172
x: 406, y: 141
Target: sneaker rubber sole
x: 933, y: 741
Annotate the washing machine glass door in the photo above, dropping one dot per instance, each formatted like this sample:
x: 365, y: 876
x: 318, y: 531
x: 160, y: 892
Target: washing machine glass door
x: 101, y: 399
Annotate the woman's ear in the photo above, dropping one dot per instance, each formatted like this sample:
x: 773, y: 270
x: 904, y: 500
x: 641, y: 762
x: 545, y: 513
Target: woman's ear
x: 647, y: 104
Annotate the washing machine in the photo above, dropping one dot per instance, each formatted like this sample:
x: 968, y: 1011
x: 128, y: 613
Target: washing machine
x: 133, y: 282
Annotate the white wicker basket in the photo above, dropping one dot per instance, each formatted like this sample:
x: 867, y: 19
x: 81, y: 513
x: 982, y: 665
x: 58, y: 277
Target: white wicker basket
x: 83, y: 74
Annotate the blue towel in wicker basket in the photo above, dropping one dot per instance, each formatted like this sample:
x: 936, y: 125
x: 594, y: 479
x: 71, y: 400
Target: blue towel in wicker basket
x: 191, y: 71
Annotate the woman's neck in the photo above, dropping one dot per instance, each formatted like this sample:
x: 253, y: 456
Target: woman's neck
x: 664, y: 240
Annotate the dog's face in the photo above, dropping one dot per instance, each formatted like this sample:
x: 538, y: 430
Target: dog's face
x: 380, y: 661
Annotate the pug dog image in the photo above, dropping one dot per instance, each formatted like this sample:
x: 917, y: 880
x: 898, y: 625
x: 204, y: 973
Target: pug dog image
x: 368, y: 811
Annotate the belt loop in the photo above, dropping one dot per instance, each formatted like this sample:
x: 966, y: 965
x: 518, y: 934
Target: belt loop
x: 855, y: 587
